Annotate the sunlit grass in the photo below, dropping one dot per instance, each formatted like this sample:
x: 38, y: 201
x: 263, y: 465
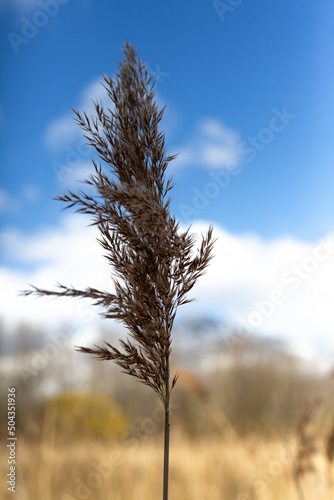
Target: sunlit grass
x: 206, y: 469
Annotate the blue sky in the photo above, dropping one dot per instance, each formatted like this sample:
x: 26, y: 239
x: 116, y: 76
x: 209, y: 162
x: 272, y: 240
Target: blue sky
x: 227, y: 71
x: 263, y: 55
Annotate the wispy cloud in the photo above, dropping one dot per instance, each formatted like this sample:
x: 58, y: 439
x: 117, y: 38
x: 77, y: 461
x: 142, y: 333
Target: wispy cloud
x: 64, y: 129
x: 9, y: 203
x: 70, y: 177
x: 212, y: 145
x: 68, y: 254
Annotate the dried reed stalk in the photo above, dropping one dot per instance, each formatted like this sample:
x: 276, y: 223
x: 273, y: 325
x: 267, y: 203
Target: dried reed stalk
x: 306, y: 435
x: 153, y: 261
x: 330, y: 445
x: 293, y: 466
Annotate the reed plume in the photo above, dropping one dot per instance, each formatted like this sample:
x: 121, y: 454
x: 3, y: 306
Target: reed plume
x: 154, y: 264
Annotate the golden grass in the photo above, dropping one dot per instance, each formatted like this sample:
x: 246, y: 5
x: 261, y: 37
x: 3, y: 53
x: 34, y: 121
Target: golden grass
x: 251, y: 469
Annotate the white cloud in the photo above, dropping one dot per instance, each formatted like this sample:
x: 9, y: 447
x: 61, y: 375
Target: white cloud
x: 212, y: 145
x: 64, y: 130
x: 29, y: 193
x: 72, y: 176
x: 239, y: 283
x: 69, y: 255
x: 248, y: 272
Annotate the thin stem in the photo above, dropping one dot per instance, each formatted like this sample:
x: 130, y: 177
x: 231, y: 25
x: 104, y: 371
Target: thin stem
x: 166, y: 453
x: 166, y: 443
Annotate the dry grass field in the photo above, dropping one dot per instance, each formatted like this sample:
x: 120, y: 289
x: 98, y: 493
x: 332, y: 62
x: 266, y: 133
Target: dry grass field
x: 228, y: 436
x: 206, y: 469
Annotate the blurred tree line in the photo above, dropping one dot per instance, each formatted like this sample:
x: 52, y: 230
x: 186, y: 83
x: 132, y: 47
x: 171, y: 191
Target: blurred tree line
x: 81, y: 398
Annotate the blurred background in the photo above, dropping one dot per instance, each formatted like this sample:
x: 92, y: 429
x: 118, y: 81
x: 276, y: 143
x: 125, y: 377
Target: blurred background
x: 249, y: 93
